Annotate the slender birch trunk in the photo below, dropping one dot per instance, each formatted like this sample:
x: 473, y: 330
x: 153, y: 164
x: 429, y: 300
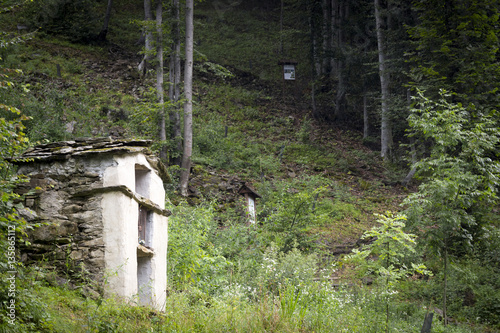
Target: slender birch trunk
x: 445, y: 283
x: 386, y: 128
x: 413, y: 170
x: 338, y: 62
x: 366, y: 118
x: 334, y: 13
x: 188, y: 104
x: 174, y: 92
x: 159, y: 77
x: 314, y: 61
x: 148, y: 43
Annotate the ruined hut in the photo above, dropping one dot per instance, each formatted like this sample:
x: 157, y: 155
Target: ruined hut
x: 101, y: 206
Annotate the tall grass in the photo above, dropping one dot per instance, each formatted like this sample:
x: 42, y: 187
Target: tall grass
x: 313, y: 308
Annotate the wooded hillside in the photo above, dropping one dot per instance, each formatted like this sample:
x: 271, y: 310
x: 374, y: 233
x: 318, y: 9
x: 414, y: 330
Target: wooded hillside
x: 374, y: 156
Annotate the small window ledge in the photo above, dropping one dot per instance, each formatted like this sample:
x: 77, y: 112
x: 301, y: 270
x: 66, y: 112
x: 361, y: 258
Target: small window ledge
x: 143, y: 251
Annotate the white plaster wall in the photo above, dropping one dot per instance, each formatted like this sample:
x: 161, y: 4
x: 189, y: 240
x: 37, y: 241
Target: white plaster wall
x: 119, y: 216
x: 124, y: 174
x: 159, y: 261
x: 120, y: 221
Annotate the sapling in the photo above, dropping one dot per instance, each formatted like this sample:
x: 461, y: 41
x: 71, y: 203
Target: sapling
x: 460, y: 177
x: 383, y: 258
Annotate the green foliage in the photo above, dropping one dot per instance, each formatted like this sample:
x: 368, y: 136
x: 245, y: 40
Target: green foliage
x: 305, y: 131
x: 145, y: 116
x: 30, y: 308
x: 21, y: 310
x: 456, y: 47
x: 390, y: 245
x: 60, y: 108
x: 232, y: 152
x: 460, y: 180
x: 472, y: 292
x: 228, y: 27
x: 56, y: 114
x: 461, y: 176
x: 218, y: 71
x: 280, y: 270
x: 289, y: 209
x: 13, y: 142
x: 314, y: 157
x: 191, y: 258
x: 224, y: 275
x: 315, y: 307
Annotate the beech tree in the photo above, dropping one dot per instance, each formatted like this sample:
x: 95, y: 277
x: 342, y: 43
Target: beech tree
x: 154, y: 47
x: 188, y: 104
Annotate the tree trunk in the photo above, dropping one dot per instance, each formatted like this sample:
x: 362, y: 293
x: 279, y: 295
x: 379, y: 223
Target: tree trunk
x: 338, y: 15
x: 339, y: 98
x: 281, y: 28
x: 188, y: 104
x: 325, y: 68
x: 107, y: 17
x: 445, y: 319
x: 387, y: 289
x: 148, y: 45
x: 386, y: 128
x: 174, y: 92
x: 314, y: 62
x: 413, y: 170
x: 159, y: 78
x: 334, y: 6
x: 366, y: 119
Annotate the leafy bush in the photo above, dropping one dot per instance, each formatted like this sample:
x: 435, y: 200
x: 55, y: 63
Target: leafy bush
x: 289, y: 209
x: 460, y: 184
x: 383, y: 258
x: 192, y: 259
x: 21, y: 310
x: 279, y: 270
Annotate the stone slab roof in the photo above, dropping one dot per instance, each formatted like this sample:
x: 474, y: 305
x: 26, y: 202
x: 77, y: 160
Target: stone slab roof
x: 63, y: 150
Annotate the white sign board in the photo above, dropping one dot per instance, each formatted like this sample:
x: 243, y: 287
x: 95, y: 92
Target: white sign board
x: 289, y: 72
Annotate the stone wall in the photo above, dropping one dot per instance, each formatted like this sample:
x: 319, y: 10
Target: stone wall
x: 64, y: 196
x: 70, y: 235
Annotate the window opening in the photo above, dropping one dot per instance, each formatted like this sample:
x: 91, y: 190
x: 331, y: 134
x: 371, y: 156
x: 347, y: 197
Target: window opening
x: 144, y: 280
x: 144, y: 256
x: 142, y: 180
x: 145, y: 227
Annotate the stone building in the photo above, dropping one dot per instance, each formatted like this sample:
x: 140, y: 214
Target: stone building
x: 101, y: 206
